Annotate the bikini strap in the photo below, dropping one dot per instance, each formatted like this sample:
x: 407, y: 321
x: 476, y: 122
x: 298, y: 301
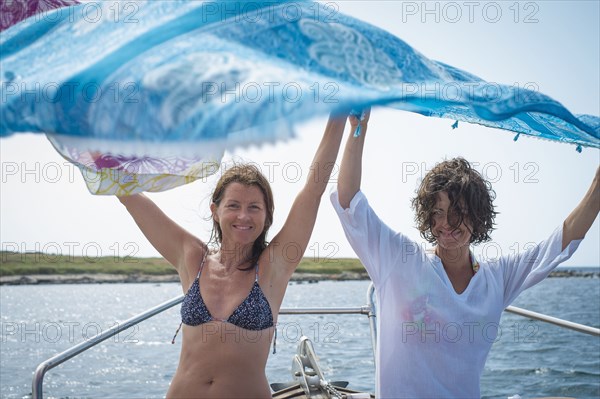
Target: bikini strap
x: 202, y: 264
x: 176, y: 332
x: 256, y: 272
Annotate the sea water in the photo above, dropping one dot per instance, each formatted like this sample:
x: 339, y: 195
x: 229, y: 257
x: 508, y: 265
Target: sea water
x: 529, y: 358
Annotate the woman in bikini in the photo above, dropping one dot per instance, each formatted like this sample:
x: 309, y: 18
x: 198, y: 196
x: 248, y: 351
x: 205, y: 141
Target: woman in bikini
x: 233, y: 295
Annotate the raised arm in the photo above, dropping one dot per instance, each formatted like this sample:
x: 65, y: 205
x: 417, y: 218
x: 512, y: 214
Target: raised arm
x: 169, y: 239
x: 578, y: 223
x: 351, y: 169
x: 299, y: 224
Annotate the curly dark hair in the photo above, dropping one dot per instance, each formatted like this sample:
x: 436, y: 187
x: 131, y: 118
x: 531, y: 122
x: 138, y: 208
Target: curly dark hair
x: 248, y: 175
x: 471, y: 197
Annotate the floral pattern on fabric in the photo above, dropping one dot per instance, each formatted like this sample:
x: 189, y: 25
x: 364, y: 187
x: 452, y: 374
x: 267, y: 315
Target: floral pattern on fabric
x: 162, y: 88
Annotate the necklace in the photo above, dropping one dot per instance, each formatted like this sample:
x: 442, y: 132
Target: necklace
x: 474, y: 263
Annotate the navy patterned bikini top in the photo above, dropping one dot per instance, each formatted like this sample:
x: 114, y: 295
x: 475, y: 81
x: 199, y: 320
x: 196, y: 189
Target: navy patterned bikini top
x: 254, y: 313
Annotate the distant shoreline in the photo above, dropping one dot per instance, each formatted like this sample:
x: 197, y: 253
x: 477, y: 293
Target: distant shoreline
x: 103, y: 278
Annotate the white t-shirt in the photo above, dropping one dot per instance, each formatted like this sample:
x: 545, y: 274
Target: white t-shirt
x: 431, y: 341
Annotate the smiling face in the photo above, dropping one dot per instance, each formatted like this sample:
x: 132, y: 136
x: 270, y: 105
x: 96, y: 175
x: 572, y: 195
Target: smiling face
x: 450, y: 226
x: 452, y: 196
x: 241, y: 214
x: 239, y: 193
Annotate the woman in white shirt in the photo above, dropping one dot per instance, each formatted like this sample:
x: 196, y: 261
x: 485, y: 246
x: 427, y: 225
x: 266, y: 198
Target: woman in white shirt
x: 439, y: 310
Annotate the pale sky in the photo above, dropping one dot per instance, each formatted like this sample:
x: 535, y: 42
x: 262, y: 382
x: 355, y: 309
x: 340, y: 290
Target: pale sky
x: 553, y: 45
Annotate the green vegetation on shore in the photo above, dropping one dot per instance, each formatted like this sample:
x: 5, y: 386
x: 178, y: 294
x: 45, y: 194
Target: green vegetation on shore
x: 14, y: 264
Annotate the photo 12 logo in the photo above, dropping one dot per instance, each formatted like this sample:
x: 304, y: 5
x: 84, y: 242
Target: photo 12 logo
x: 27, y: 92
x: 55, y: 252
x: 470, y: 11
x: 63, y: 331
x: 15, y: 11
x: 467, y: 332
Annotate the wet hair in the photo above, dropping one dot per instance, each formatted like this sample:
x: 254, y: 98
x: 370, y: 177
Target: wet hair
x: 248, y: 175
x: 471, y: 198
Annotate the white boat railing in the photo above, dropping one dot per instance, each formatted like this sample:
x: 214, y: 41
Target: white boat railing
x: 368, y: 310
x: 554, y: 320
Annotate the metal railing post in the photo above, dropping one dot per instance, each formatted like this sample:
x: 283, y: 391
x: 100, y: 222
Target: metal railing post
x: 372, y: 318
